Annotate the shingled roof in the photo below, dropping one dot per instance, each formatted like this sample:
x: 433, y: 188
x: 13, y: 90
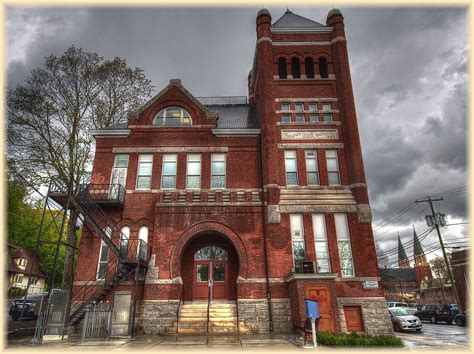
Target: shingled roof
x: 291, y: 20
x: 417, y: 249
x: 239, y: 116
x: 31, y: 260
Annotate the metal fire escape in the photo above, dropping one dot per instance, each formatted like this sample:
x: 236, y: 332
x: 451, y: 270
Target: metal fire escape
x: 126, y: 256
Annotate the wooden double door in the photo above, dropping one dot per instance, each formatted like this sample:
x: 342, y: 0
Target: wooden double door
x: 211, y: 278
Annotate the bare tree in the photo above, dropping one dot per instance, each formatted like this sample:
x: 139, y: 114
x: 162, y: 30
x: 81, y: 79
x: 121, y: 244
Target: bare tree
x: 49, y: 118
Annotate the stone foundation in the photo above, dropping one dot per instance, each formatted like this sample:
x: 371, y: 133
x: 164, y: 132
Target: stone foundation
x: 155, y: 315
x: 253, y: 316
x: 375, y: 315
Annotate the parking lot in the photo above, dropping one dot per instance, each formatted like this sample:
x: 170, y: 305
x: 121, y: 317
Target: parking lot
x: 437, y: 336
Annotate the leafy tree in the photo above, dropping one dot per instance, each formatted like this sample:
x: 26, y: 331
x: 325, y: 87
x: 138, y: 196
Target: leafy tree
x: 438, y: 265
x: 49, y: 118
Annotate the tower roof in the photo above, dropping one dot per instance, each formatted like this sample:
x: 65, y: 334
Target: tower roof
x: 401, y: 251
x: 291, y: 20
x: 417, y: 249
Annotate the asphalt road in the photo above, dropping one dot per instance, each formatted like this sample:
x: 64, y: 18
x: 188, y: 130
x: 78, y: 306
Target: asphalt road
x: 440, y: 335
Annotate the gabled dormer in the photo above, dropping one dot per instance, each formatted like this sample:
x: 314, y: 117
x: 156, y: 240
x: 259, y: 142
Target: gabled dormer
x: 173, y: 107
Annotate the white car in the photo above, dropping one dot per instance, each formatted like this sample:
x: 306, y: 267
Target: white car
x: 394, y: 304
x: 403, y: 321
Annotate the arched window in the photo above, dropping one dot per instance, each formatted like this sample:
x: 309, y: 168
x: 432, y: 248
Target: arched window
x: 142, y: 245
x: 211, y: 253
x: 103, y: 255
x: 124, y: 237
x: 173, y: 116
x: 282, y: 68
x: 309, y: 68
x: 323, y: 67
x: 295, y: 68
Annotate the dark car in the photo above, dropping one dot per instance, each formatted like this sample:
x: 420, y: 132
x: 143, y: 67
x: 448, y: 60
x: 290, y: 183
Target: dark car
x: 461, y: 319
x: 32, y: 306
x: 437, y: 313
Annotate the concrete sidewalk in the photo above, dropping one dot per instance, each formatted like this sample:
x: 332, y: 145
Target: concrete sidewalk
x: 169, y: 342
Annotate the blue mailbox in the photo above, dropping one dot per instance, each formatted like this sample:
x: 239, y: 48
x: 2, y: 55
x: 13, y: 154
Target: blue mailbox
x: 311, y: 308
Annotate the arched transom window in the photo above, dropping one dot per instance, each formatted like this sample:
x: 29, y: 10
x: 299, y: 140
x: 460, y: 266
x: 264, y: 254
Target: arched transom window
x: 211, y: 253
x: 173, y: 116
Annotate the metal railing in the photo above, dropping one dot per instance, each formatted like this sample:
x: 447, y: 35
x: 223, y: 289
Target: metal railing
x: 222, y: 100
x: 208, y: 305
x: 181, y: 300
x: 103, y: 192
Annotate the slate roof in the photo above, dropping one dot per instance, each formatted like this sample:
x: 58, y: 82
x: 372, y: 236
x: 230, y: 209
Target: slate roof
x: 116, y: 126
x: 236, y: 116
x: 28, y: 255
x: 401, y: 251
x: 417, y: 249
x: 291, y: 20
x: 398, y: 274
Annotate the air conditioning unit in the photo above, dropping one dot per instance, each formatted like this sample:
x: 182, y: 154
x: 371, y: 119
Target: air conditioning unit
x: 304, y: 267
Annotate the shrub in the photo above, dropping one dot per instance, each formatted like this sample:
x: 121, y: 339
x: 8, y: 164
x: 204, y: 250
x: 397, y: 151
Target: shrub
x: 358, y: 340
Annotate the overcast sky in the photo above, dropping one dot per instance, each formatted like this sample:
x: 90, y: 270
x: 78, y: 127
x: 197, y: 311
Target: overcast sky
x: 409, y: 73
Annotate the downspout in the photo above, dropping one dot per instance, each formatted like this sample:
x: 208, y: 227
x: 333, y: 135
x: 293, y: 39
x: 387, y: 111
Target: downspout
x: 264, y: 229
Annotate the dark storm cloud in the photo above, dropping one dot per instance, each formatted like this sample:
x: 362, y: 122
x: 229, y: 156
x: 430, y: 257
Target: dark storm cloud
x: 409, y: 73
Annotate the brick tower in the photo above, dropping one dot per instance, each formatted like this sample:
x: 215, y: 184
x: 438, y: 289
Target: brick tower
x: 314, y: 183
x: 422, y: 268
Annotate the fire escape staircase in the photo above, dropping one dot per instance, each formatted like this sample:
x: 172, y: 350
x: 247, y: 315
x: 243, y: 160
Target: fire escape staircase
x: 127, y: 255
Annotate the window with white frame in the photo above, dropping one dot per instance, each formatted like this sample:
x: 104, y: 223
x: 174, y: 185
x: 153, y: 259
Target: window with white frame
x: 300, y: 117
x: 285, y: 106
x: 326, y: 106
x: 168, y: 176
x: 22, y: 262
x: 34, y: 281
x: 119, y: 171
x: 124, y: 239
x: 18, y: 278
x: 323, y: 264
x: 312, y: 172
x: 218, y: 171
x: 173, y: 116
x: 145, y: 163
x: 297, y: 238
x: 142, y: 246
x: 344, y: 244
x: 193, y: 171
x: 286, y: 118
x: 291, y: 168
x: 299, y: 107
x: 313, y: 106
x: 103, y: 255
x: 332, y: 167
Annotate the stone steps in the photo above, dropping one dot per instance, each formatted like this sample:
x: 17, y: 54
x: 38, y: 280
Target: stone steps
x: 193, y: 318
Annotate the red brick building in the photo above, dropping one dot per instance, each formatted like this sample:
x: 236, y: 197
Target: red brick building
x: 265, y: 197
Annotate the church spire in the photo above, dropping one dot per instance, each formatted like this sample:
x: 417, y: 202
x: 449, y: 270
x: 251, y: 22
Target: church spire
x: 417, y: 249
x: 403, y: 261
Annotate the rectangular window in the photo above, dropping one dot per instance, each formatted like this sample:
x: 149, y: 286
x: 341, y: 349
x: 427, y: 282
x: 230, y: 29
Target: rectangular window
x: 286, y: 118
x: 328, y: 117
x: 333, y: 167
x: 291, y: 168
x: 193, y: 174
x: 102, y: 266
x: 313, y: 106
x: 312, y: 168
x: 344, y: 244
x: 168, y: 179
x: 145, y: 163
x: 321, y: 244
x: 18, y: 278
x: 297, y: 238
x: 326, y: 106
x: 300, y: 117
x: 313, y: 117
x: 285, y: 106
x: 22, y: 262
x: 218, y: 171
x: 299, y: 107
x: 119, y: 172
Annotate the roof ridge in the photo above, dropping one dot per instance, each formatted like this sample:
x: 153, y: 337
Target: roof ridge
x: 291, y: 20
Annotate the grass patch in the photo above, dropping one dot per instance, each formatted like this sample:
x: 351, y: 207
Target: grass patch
x: 358, y: 340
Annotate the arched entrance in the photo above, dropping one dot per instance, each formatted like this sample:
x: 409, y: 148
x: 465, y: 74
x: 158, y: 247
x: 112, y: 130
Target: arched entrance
x: 209, y: 267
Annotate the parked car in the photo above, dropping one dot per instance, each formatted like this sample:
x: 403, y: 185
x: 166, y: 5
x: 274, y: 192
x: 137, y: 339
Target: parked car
x: 393, y: 304
x: 461, y: 319
x: 437, y: 313
x: 402, y: 320
x: 32, y: 306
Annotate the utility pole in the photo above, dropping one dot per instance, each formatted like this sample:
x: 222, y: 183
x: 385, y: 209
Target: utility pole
x: 435, y: 218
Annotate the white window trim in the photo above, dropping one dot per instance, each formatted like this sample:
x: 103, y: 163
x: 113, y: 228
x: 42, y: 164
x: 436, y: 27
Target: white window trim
x: 187, y: 170
x: 338, y: 167
x: 164, y: 117
x: 313, y: 217
x: 300, y: 217
x: 317, y: 167
x: 225, y: 169
x: 163, y: 169
x: 138, y: 171
x: 350, y: 245
x: 296, y: 164
x: 121, y: 168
